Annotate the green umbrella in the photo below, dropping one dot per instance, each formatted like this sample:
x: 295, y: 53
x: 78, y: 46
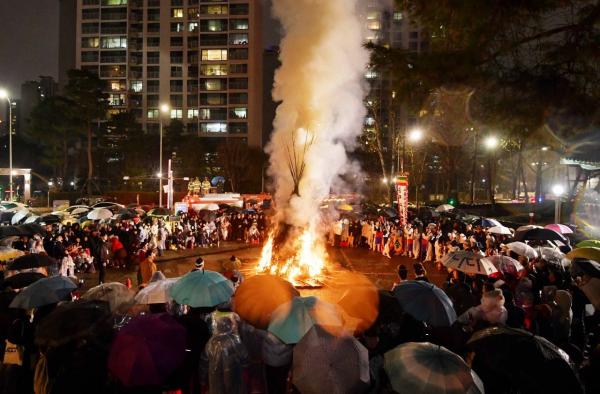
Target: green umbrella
x: 292, y: 320
x: 44, y: 292
x: 202, y: 289
x: 427, y: 368
x: 590, y: 243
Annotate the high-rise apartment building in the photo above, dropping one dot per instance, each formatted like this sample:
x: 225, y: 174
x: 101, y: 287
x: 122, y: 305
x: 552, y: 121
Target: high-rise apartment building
x: 201, y: 58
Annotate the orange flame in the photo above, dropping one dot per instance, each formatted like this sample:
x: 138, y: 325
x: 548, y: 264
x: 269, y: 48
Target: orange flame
x: 308, y: 261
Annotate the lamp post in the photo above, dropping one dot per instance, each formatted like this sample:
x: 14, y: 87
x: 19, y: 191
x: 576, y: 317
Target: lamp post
x: 4, y: 95
x: 50, y: 184
x: 491, y: 143
x: 414, y: 135
x: 164, y: 109
x: 558, y: 191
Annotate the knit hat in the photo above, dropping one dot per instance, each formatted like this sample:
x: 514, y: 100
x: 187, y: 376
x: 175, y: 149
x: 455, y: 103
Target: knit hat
x: 199, y: 262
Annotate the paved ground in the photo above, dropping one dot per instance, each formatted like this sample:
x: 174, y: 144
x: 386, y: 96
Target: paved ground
x: 380, y: 270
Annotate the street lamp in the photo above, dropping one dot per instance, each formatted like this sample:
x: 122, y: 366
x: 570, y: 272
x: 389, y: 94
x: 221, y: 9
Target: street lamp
x: 50, y: 184
x: 4, y: 95
x: 491, y: 143
x: 164, y: 109
x: 415, y: 135
x: 558, y: 190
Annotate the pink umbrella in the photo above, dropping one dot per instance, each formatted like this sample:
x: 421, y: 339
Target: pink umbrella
x: 559, y: 228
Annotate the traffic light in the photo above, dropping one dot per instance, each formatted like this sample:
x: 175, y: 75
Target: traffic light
x: 451, y: 201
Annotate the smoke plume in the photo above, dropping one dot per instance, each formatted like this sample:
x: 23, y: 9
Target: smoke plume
x: 321, y: 88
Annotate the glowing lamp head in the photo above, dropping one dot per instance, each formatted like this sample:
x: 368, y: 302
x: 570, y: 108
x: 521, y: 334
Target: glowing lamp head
x: 159, y: 174
x: 164, y: 108
x: 491, y: 142
x: 415, y: 135
x: 3, y: 94
x: 558, y: 190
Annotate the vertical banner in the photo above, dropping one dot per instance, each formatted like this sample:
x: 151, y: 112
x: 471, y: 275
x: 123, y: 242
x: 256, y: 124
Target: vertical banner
x: 402, y: 198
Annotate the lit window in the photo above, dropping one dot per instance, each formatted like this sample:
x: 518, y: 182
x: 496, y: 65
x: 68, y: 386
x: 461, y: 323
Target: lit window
x: 153, y: 114
x: 213, y: 84
x: 192, y: 113
x: 114, y: 42
x: 370, y: 74
x: 215, y: 10
x: 115, y: 85
x: 213, y: 127
x: 137, y: 86
x: 239, y: 24
x: 176, y: 113
x: 90, y: 42
x: 238, y: 39
x: 214, y: 54
x: 116, y: 99
x: 213, y: 69
x: 205, y: 113
x: 398, y: 16
x: 192, y: 26
x: 369, y: 121
x: 177, y: 12
x: 374, y: 25
x: 114, y: 2
x: 240, y: 113
x: 216, y: 25
x: 372, y: 15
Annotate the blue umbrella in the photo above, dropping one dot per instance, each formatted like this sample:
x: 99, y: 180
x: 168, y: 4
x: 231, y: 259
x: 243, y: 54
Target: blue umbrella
x: 216, y: 180
x: 202, y: 289
x: 426, y: 302
x: 44, y: 292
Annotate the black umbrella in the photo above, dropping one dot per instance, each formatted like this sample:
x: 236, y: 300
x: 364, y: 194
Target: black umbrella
x: 584, y: 266
x: 22, y: 279
x: 539, y: 234
x: 159, y: 212
x: 31, y: 229
x: 74, y: 321
x: 33, y: 260
x: 10, y: 231
x: 49, y: 219
x: 513, y: 360
x: 6, y: 216
x: 207, y: 215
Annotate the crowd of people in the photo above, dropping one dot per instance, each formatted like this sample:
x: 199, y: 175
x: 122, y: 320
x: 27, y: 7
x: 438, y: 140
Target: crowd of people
x: 229, y: 355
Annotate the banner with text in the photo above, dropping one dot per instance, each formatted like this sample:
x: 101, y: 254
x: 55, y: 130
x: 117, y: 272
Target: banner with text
x: 402, y: 198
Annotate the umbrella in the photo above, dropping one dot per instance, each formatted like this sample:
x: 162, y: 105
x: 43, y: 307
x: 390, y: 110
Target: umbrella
x: 7, y: 254
x: 487, y: 222
x: 155, y: 292
x: 422, y: 367
x: 444, y: 208
x: 391, y: 212
x: 588, y: 267
x: 19, y: 216
x: 539, y: 234
x: 585, y: 253
x: 212, y: 207
x: 216, y: 180
x: 360, y: 300
x: 511, y: 360
x: 73, y: 321
x: 501, y: 230
x: 31, y: 219
x: 469, y: 263
x: 22, y: 279
x: 522, y: 249
x: 159, y: 212
x: 527, y: 227
x: 117, y: 295
x: 345, y: 207
x: 32, y: 260
x: 43, y: 292
x: 590, y: 243
x: 202, y: 288
x: 425, y: 302
x: 31, y: 229
x: 553, y: 255
x: 257, y: 297
x: 207, y: 215
x: 292, y: 320
x: 324, y: 363
x: 80, y: 211
x: 559, y: 228
x: 6, y: 216
x: 99, y: 214
x: 10, y: 231
x: 147, y: 350
x: 49, y: 219
x: 504, y: 264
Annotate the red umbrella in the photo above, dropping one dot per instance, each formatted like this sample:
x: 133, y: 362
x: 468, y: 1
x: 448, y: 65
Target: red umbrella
x: 147, y: 350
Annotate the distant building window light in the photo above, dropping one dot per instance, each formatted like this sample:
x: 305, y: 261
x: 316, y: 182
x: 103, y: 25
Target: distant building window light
x: 192, y: 113
x: 240, y: 113
x: 372, y: 15
x: 176, y: 114
x: 369, y: 121
x: 213, y: 127
x: 177, y: 12
x: 398, y: 16
x: 192, y: 26
x: 371, y: 74
x: 153, y: 114
x: 374, y: 25
x: 137, y: 86
x: 214, y: 54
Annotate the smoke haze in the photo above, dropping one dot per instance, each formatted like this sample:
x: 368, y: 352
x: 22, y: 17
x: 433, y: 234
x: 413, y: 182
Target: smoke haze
x: 320, y: 85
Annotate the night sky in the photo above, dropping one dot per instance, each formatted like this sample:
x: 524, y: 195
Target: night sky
x: 28, y: 42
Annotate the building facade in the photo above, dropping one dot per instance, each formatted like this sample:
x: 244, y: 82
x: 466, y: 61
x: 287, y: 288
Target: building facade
x: 203, y: 59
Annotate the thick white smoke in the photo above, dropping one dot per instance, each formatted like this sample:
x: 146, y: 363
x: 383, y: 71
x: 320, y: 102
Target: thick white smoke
x: 321, y: 88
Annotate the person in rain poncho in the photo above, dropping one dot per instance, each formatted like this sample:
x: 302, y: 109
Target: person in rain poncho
x: 225, y: 358
x: 490, y: 311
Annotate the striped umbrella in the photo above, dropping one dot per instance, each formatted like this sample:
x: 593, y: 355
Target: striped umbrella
x: 427, y: 368
x: 469, y: 263
x: 325, y: 363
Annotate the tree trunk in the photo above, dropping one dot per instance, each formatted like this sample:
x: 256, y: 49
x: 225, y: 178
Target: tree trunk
x: 90, y: 162
x: 473, y: 170
x: 65, y: 162
x: 491, y: 181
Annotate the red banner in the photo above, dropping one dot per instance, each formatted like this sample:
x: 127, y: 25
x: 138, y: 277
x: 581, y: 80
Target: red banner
x: 402, y: 198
